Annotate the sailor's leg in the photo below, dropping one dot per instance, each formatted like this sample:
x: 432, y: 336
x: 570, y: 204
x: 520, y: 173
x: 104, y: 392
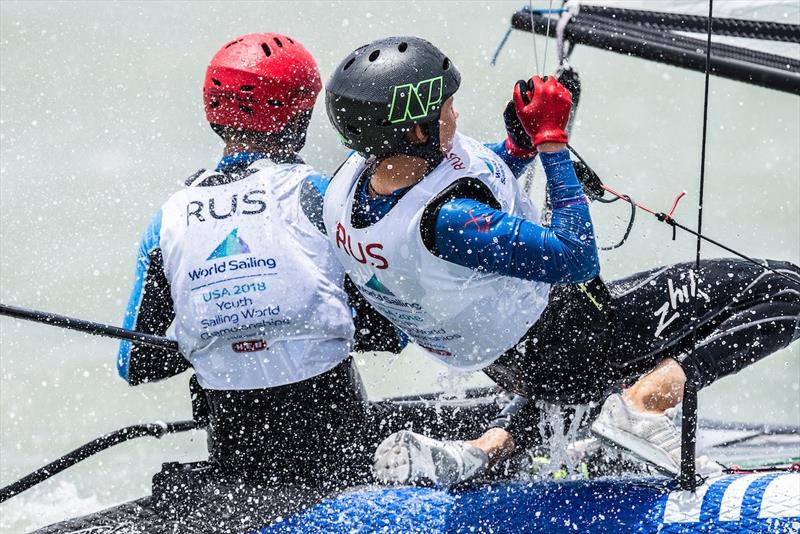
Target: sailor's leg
x: 742, y: 339
x: 564, y: 357
x: 765, y: 320
x: 742, y: 313
x: 407, y: 457
x: 301, y: 431
x: 658, y: 390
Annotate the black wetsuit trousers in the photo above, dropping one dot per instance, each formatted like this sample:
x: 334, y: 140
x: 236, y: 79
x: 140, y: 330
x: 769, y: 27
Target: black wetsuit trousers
x: 318, y: 431
x: 294, y: 433
x: 586, y: 342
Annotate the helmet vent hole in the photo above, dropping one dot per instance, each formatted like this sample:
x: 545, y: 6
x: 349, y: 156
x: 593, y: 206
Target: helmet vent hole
x: 446, y: 63
x: 402, y: 47
x: 290, y: 40
x: 247, y: 87
x: 246, y: 109
x: 274, y: 103
x: 278, y: 42
x: 353, y: 129
x: 216, y: 81
x: 347, y: 65
x: 265, y: 48
x: 233, y: 43
x: 214, y: 104
x: 374, y: 55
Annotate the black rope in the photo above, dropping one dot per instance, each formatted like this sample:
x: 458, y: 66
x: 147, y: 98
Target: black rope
x: 592, y: 184
x: 593, y: 187
x: 675, y: 224
x: 155, y: 430
x: 631, y: 219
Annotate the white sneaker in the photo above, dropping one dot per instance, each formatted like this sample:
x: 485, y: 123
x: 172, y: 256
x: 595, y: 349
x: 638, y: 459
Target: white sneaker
x: 652, y: 438
x: 407, y: 458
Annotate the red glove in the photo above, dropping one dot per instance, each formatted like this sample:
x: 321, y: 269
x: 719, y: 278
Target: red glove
x: 543, y: 108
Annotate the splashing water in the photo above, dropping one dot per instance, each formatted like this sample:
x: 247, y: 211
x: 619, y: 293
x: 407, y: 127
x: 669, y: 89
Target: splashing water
x: 558, y: 428
x: 47, y: 506
x: 454, y: 383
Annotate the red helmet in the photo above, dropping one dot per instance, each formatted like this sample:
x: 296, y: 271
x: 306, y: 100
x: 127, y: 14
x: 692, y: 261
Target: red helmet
x: 259, y: 82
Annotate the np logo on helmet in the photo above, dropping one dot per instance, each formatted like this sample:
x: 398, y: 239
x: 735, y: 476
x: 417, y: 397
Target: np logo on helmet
x: 411, y: 101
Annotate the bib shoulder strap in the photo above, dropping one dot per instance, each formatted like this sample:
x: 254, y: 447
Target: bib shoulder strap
x: 206, y: 178
x: 467, y: 187
x: 195, y: 178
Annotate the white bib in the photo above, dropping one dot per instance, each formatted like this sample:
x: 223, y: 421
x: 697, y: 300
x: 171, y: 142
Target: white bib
x: 464, y: 318
x: 257, y: 290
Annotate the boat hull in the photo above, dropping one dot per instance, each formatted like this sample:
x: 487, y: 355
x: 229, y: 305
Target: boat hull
x: 764, y: 502
x: 767, y: 502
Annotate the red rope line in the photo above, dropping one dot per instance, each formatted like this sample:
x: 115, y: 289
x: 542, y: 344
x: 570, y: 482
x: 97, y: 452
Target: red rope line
x: 641, y: 206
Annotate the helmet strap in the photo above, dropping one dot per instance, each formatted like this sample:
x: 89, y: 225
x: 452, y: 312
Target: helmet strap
x: 430, y: 150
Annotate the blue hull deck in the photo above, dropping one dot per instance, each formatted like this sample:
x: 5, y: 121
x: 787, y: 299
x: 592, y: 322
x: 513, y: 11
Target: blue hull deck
x: 764, y: 502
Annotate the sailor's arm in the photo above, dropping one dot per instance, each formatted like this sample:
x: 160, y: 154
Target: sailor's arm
x: 517, y: 164
x: 150, y: 310
x: 475, y: 235
x: 484, y: 238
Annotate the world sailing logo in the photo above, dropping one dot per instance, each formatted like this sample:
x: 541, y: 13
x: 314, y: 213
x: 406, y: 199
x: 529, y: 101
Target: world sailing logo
x: 378, y: 286
x: 496, y: 171
x: 489, y: 164
x: 411, y: 101
x: 233, y: 245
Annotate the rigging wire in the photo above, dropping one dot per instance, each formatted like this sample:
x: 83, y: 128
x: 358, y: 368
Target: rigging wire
x: 590, y: 181
x: 533, y: 35
x: 688, y: 476
x: 546, y: 37
x: 705, y: 136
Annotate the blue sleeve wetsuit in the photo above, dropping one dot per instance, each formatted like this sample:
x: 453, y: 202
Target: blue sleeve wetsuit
x: 150, y: 310
x: 516, y: 164
x: 474, y: 234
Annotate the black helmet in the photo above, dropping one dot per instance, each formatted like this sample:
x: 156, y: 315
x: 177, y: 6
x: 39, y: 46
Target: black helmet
x: 382, y: 89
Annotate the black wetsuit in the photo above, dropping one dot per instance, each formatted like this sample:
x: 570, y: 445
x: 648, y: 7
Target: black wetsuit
x: 590, y: 338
